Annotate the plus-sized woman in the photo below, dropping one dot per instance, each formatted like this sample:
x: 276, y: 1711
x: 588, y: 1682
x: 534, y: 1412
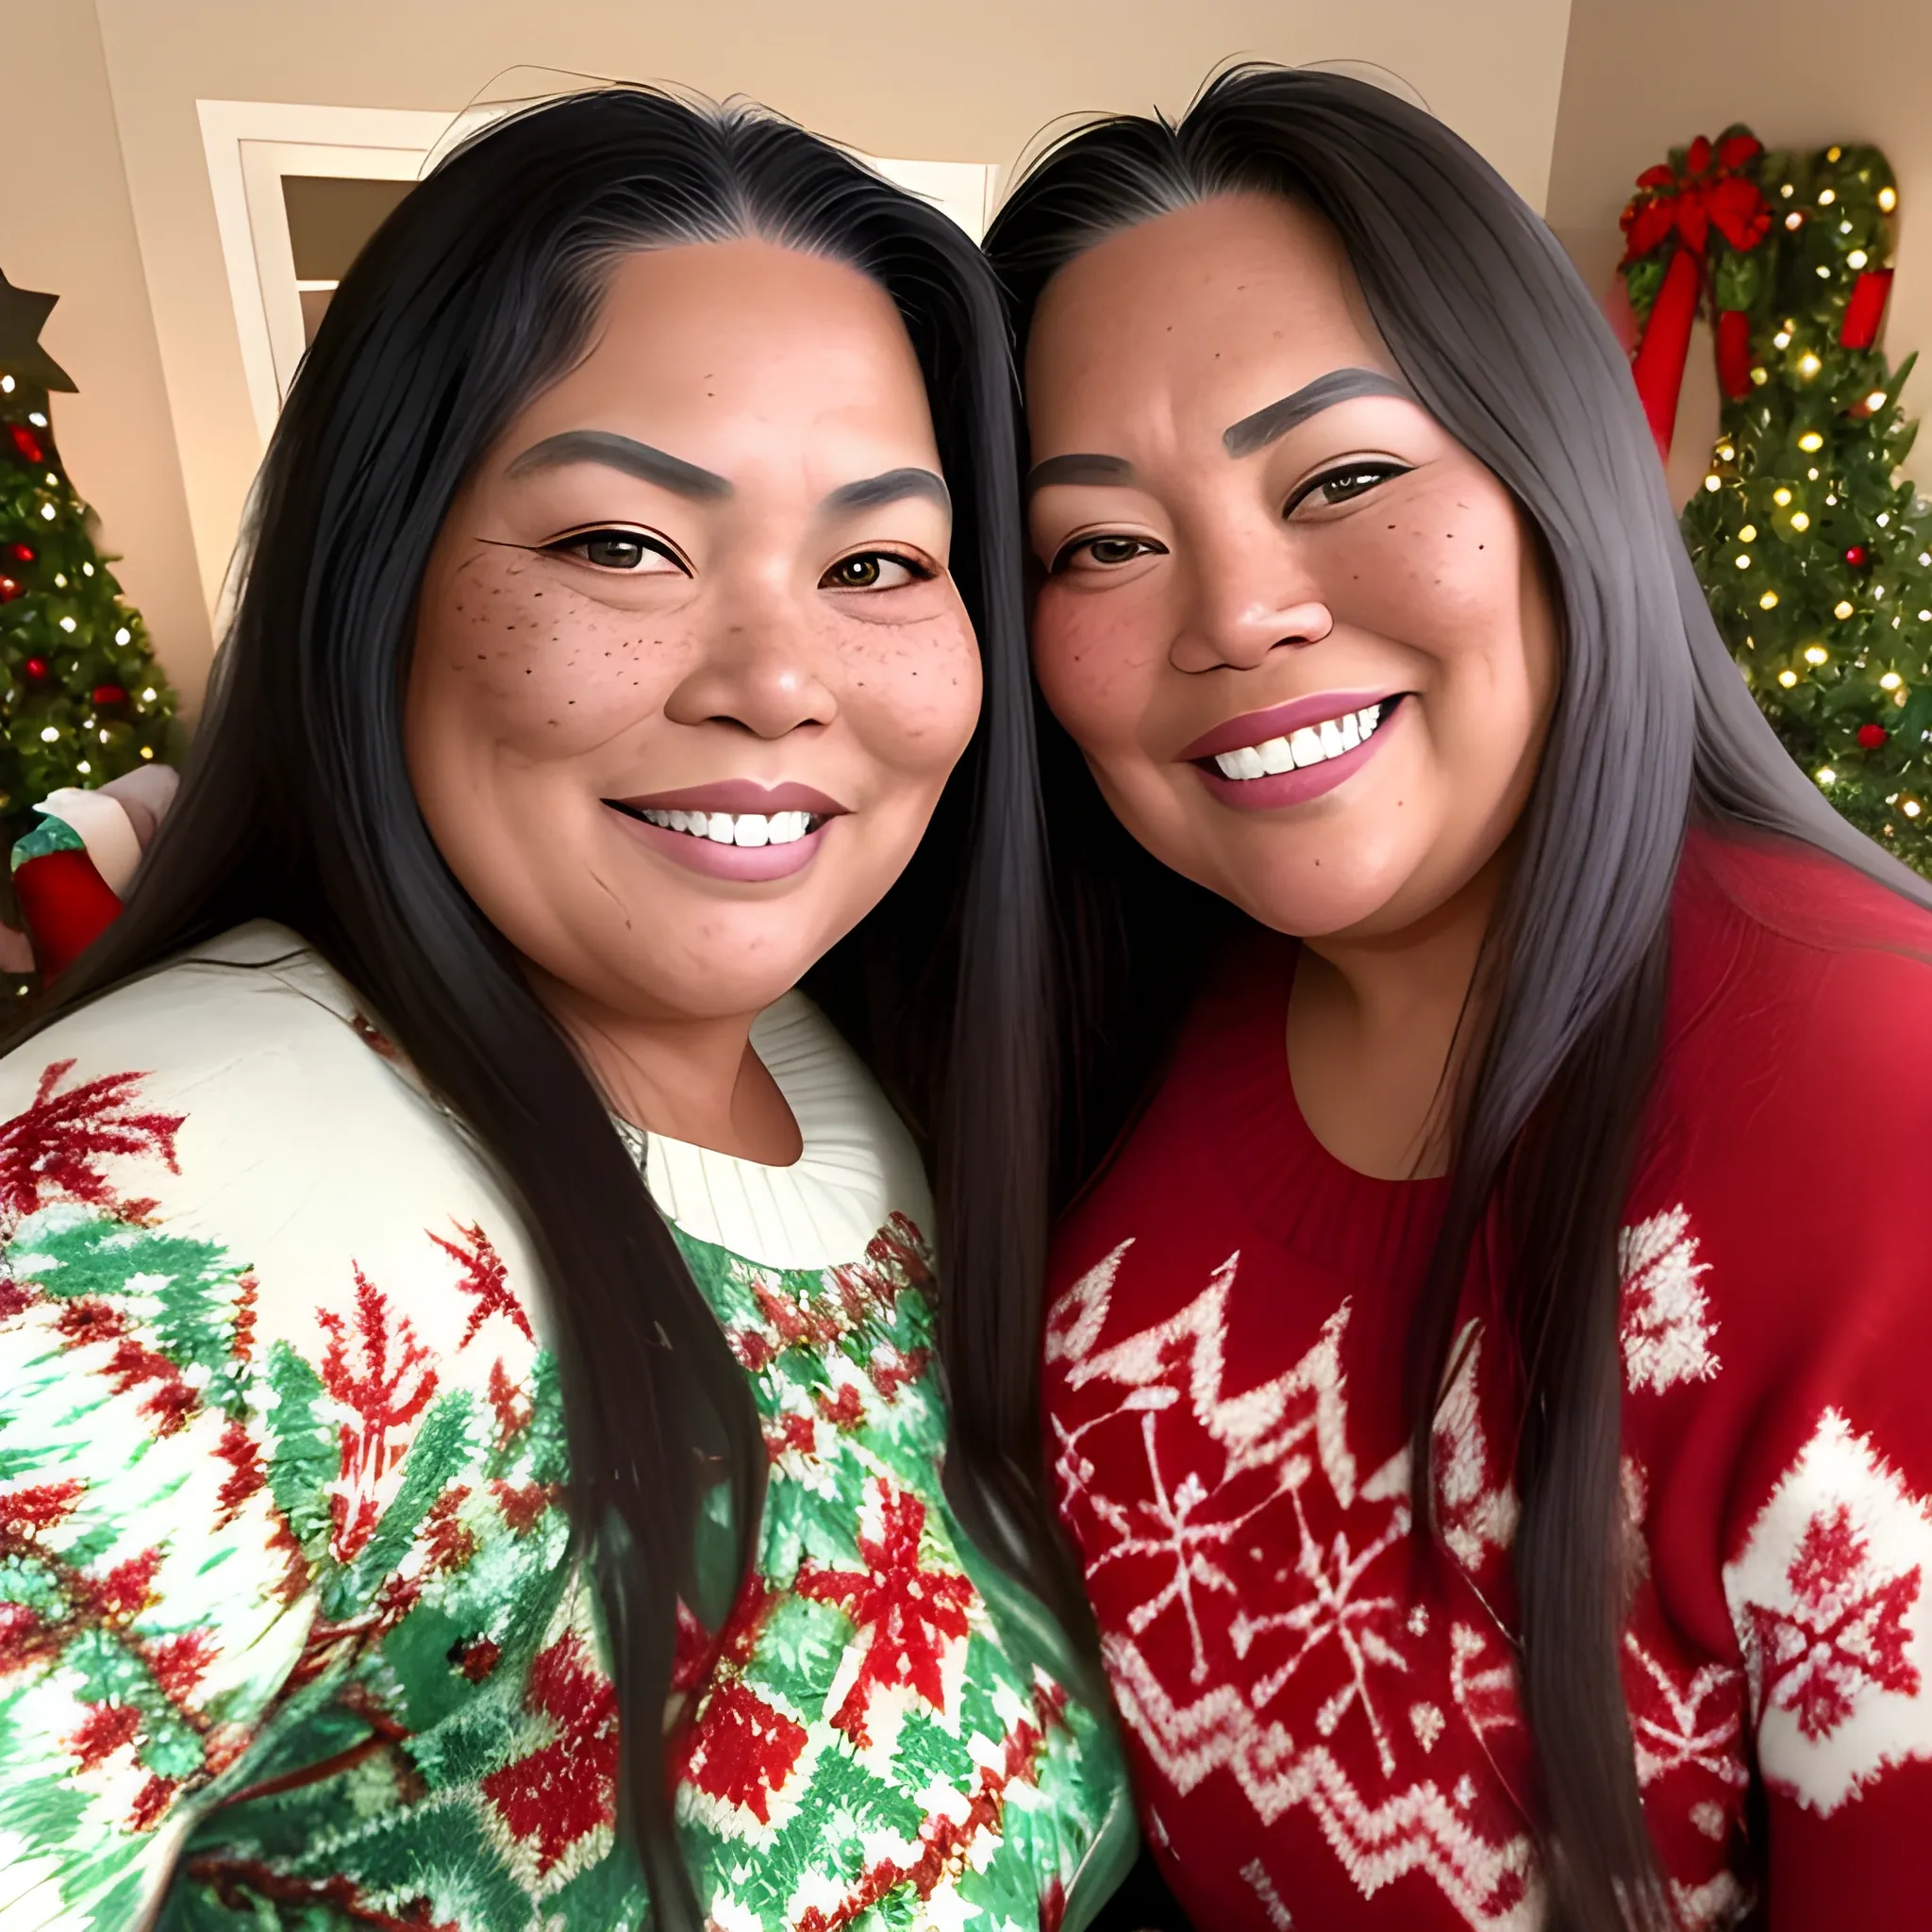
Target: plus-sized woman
x: 1484, y: 1381
x: 470, y: 1416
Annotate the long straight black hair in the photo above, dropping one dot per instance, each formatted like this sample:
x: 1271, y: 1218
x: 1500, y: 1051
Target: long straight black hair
x: 479, y: 290
x: 1653, y: 729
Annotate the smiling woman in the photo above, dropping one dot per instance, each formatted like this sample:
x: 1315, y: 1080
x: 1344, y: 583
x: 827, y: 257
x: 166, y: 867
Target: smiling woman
x: 1492, y: 1520
x: 472, y: 1392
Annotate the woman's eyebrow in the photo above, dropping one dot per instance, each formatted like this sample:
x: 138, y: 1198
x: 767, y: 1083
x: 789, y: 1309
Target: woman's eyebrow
x: 622, y: 452
x: 1079, y: 468
x: 1264, y: 426
x: 892, y: 486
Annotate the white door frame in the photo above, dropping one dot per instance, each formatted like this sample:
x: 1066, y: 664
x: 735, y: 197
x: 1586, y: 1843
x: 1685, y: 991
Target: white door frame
x: 251, y: 145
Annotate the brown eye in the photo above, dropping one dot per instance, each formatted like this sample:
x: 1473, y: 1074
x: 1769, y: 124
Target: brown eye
x: 1105, y: 553
x: 1343, y: 484
x: 871, y: 569
x: 618, y: 550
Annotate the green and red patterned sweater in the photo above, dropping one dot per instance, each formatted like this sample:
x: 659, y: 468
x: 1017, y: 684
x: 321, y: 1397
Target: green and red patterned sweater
x: 289, y: 1633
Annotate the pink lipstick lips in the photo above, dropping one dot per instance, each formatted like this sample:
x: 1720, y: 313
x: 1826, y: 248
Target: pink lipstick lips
x: 1288, y: 754
x: 734, y: 828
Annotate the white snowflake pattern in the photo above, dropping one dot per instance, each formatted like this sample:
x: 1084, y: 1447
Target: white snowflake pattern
x: 1694, y: 1720
x: 1667, y: 1328
x: 1828, y: 1598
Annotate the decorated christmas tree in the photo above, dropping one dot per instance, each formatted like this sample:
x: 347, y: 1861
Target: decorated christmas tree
x: 81, y: 697
x: 1816, y: 556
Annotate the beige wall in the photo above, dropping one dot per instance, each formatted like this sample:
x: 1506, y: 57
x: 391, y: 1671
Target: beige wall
x: 1643, y: 76
x: 902, y: 78
x: 66, y: 226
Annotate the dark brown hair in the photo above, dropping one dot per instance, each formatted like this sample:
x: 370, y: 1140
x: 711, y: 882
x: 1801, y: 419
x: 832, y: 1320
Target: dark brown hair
x: 1653, y: 727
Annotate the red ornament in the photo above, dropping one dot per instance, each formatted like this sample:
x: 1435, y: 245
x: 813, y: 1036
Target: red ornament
x: 27, y: 442
x: 106, y: 694
x: 10, y: 590
x: 1872, y: 736
x: 1857, y: 556
x: 37, y: 667
x: 21, y: 553
x: 1864, y: 308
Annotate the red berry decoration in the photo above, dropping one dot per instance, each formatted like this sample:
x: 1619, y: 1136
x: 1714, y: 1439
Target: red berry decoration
x: 10, y: 590
x: 37, y: 669
x: 1858, y: 557
x: 21, y: 553
x: 1872, y: 736
x: 106, y: 694
x: 27, y: 442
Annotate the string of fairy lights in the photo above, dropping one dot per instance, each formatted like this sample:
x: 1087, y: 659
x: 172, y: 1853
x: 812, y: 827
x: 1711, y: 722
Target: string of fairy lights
x: 83, y: 699
x: 1816, y: 556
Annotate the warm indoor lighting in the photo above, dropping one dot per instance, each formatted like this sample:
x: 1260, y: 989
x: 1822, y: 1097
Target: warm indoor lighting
x: 1857, y: 258
x: 1808, y: 364
x: 1768, y: 601
x: 1840, y: 609
x: 1787, y: 679
x: 1712, y: 483
x: 1810, y: 440
x: 1825, y: 197
x: 1826, y: 774
x: 1887, y: 199
x: 1876, y: 400
x: 1816, y: 654
x: 1748, y: 534
x: 1891, y: 681
x: 1800, y: 521
x: 1780, y: 496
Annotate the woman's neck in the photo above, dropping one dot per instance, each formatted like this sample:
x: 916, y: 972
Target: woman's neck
x: 694, y: 1080
x: 1377, y: 1034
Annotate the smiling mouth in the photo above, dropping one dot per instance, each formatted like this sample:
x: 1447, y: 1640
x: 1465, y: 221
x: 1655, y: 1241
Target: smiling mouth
x: 1311, y: 745
x: 747, y: 829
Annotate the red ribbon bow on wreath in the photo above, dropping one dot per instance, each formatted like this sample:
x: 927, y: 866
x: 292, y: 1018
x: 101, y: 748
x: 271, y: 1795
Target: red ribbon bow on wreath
x: 1709, y: 205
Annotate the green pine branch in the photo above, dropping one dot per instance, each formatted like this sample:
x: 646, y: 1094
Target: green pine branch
x: 1816, y: 558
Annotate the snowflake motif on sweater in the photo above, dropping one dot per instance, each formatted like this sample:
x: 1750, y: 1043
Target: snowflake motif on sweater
x: 288, y: 1627
x: 1325, y: 1732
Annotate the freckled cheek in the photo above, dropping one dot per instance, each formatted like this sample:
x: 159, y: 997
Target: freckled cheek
x: 544, y: 676
x: 912, y: 696
x: 1444, y: 591
x: 1099, y: 659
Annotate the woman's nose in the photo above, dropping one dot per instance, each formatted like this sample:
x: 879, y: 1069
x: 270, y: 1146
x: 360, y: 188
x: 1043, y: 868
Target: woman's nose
x: 1249, y: 594
x: 759, y: 668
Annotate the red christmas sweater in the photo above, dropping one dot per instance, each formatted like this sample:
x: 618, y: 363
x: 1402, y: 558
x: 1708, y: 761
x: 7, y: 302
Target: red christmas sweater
x: 1327, y: 1734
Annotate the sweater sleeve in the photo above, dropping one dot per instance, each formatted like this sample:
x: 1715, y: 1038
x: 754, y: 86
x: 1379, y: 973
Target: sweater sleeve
x: 1828, y: 1537
x: 214, y: 1417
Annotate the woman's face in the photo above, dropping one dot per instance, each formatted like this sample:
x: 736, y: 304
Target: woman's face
x: 1301, y: 635
x: 689, y: 672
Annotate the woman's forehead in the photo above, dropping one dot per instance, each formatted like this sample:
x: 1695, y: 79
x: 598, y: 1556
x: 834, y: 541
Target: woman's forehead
x: 1216, y: 312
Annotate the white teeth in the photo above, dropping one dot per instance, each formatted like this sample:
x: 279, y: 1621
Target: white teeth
x: 1310, y: 745
x: 748, y: 828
